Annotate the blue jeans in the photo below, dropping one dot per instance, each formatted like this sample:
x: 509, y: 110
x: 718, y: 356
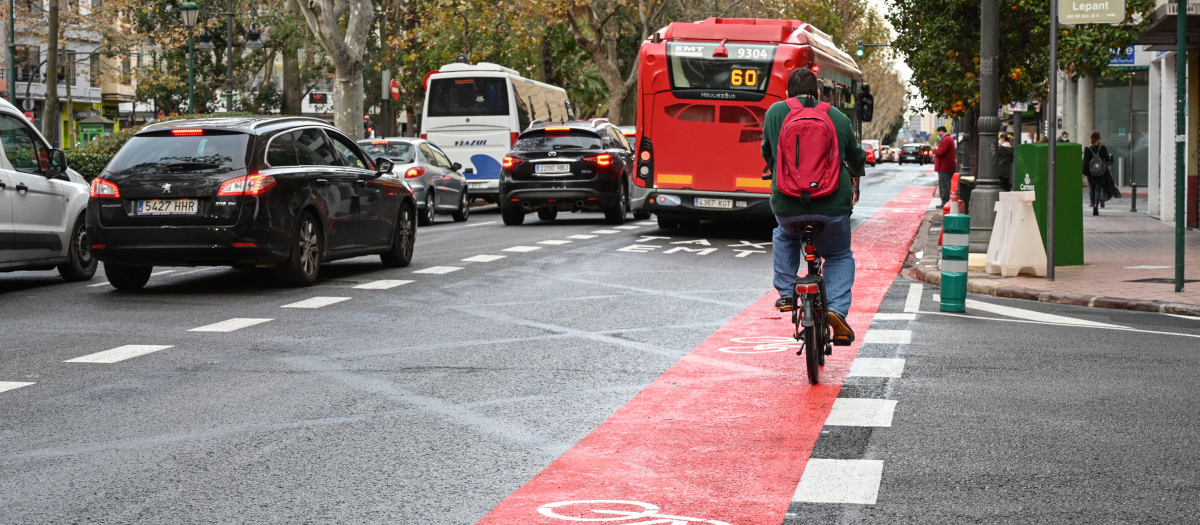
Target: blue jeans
x: 833, y: 245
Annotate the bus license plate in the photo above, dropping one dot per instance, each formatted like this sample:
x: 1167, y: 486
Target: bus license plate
x: 475, y: 185
x: 168, y: 207
x: 714, y: 203
x: 553, y: 168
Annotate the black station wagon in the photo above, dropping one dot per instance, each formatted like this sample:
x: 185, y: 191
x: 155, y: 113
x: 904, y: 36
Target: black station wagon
x: 246, y: 191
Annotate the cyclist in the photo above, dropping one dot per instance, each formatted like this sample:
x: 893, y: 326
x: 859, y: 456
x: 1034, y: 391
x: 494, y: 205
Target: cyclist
x: 832, y: 244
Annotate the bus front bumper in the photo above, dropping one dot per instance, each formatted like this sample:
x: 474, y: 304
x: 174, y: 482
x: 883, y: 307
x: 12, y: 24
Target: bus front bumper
x: 691, y: 205
x: 486, y: 189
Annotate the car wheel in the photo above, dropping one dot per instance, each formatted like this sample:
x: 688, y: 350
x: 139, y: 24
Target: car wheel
x: 547, y: 214
x: 81, y: 266
x: 402, y: 242
x: 513, y: 215
x: 641, y: 215
x: 304, y: 258
x: 464, y: 208
x: 125, y: 277
x: 616, y: 214
x: 667, y: 224
x: 426, y: 217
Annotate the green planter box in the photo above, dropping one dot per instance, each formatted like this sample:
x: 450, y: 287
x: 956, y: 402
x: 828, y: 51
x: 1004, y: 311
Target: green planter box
x: 1032, y: 168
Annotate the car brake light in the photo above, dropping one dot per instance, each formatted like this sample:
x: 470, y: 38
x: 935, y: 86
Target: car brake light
x: 245, y: 245
x: 557, y: 129
x: 509, y: 162
x: 246, y: 185
x: 603, y: 160
x: 413, y: 173
x: 103, y: 189
x: 378, y: 142
x: 99, y: 246
x: 513, y: 139
x: 187, y: 132
x: 808, y: 248
x: 807, y: 288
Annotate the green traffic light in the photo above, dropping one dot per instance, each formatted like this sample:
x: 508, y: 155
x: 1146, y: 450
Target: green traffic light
x: 860, y: 51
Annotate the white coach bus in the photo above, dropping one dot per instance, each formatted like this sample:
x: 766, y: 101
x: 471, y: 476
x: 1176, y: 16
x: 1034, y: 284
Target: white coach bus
x: 475, y: 112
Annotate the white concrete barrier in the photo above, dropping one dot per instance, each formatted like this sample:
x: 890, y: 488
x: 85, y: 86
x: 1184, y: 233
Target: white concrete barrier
x: 1016, y: 243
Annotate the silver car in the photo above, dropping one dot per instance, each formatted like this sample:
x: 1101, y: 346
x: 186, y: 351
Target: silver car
x: 436, y: 182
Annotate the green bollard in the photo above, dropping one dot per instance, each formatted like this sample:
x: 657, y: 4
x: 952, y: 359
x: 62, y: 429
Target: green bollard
x: 956, y: 229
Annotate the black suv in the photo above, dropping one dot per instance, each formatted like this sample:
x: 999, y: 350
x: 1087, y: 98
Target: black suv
x: 567, y: 166
x: 246, y: 191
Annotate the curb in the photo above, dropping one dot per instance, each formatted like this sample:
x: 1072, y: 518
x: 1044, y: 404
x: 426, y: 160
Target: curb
x: 926, y: 270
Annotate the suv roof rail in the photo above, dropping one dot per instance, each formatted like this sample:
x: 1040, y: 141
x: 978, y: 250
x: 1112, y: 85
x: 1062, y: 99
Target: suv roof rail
x: 534, y: 123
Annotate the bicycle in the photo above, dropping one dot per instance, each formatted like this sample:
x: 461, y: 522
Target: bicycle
x: 809, y: 308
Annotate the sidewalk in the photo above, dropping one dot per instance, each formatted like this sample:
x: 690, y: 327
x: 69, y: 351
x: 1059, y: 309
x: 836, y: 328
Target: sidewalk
x: 1129, y: 264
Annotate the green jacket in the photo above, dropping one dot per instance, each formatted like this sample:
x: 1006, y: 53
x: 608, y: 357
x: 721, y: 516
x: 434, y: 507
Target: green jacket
x: 841, y: 202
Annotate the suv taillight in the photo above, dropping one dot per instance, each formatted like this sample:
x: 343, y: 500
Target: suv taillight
x: 603, y: 160
x: 103, y: 189
x: 511, y: 162
x: 246, y: 185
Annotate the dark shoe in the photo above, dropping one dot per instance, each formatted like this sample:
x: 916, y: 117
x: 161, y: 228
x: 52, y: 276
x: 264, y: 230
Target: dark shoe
x: 1101, y: 204
x: 843, y: 335
x: 1095, y: 211
x: 785, y: 304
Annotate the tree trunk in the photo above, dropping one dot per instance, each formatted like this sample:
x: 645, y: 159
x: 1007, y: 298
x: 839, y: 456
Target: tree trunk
x: 548, y: 57
x: 293, y: 86
x: 345, y: 50
x: 70, y: 79
x: 348, y: 100
x: 616, y: 104
x: 50, y: 117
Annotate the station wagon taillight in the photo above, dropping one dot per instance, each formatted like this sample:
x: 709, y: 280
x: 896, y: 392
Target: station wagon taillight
x: 413, y: 173
x: 603, y: 160
x: 187, y: 132
x: 246, y: 185
x: 103, y: 189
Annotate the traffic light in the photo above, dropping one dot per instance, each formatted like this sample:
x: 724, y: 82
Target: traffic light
x: 860, y: 49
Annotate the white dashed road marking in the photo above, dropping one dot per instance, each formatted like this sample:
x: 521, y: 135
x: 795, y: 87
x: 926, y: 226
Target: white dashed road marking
x: 876, y: 367
x: 840, y: 481
x: 12, y: 385
x: 1030, y: 315
x: 626, y: 227
x: 554, y: 242
x: 484, y: 258
x: 118, y: 354
x: 648, y: 223
x: 230, y: 325
x: 481, y: 223
x: 892, y: 337
x: 163, y: 272
x: 522, y: 249
x: 895, y: 317
x: 856, y: 412
x: 439, y: 269
x: 382, y: 284
x: 105, y: 283
x: 582, y: 237
x: 606, y: 232
x: 317, y: 302
x: 912, y: 304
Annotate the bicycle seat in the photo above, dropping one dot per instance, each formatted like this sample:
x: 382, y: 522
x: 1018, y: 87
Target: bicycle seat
x: 816, y: 226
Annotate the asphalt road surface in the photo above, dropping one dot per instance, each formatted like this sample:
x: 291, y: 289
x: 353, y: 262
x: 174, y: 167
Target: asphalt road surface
x: 457, y: 390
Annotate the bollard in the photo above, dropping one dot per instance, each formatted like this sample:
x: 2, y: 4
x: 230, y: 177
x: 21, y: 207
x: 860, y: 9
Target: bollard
x: 957, y: 229
x: 1133, y: 196
x: 954, y: 205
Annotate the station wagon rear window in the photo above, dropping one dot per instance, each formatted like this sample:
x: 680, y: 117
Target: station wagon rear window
x: 211, y: 152
x: 468, y: 97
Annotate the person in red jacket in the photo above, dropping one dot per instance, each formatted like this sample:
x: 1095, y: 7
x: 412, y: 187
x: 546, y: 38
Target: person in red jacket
x: 943, y: 163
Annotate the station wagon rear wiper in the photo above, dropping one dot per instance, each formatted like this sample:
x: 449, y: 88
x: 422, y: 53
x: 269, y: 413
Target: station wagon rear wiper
x: 208, y: 165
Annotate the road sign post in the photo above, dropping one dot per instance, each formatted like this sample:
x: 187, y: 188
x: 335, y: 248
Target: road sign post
x: 387, y: 103
x: 1181, y: 41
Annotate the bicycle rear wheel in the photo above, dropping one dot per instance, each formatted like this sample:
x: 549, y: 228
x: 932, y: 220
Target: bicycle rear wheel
x: 812, y: 353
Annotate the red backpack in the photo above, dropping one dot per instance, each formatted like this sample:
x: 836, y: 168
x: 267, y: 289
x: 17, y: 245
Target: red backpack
x: 808, y: 163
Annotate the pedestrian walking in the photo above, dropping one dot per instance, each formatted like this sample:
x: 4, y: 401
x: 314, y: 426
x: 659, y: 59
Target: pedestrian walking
x: 837, y: 185
x: 1002, y: 157
x: 1095, y: 167
x: 943, y: 163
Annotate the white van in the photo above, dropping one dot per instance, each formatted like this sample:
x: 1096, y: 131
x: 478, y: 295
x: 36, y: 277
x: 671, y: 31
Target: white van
x: 475, y: 112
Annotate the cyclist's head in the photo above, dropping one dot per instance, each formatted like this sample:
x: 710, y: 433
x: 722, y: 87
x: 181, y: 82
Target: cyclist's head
x: 802, y: 82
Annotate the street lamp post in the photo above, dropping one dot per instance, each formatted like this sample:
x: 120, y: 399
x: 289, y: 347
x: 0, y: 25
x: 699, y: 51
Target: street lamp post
x: 987, y: 179
x: 190, y: 12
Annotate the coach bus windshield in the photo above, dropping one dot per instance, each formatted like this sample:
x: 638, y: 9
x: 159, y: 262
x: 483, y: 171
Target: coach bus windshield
x: 468, y: 97
x: 747, y: 69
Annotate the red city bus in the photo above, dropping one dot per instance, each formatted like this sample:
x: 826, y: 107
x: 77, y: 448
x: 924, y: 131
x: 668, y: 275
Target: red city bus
x: 703, y: 91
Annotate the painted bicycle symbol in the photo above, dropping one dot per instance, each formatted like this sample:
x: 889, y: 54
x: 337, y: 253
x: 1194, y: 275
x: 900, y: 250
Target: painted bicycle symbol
x: 762, y: 345
x: 616, y: 510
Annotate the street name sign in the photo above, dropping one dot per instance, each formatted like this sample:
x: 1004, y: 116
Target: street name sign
x: 1091, y: 12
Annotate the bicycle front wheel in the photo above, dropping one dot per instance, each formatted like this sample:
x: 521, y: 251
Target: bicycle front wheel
x: 812, y: 353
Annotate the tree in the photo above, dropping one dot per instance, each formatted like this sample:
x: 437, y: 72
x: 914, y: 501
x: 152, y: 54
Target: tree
x: 939, y: 40
x: 345, y: 50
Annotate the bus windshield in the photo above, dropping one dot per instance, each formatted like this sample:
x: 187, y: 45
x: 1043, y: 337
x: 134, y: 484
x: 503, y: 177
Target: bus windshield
x: 468, y: 97
x: 748, y: 67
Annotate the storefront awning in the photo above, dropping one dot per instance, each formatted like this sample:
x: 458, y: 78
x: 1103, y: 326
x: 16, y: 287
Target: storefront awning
x: 1160, y: 36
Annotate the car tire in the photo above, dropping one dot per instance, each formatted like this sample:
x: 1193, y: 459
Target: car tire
x: 304, y: 256
x: 513, y: 215
x: 641, y: 215
x: 464, y: 208
x: 426, y: 217
x: 125, y: 277
x: 401, y: 252
x: 547, y: 214
x: 667, y: 224
x: 616, y: 214
x: 81, y: 266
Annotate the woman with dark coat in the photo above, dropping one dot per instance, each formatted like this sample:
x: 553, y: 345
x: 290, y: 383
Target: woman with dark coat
x: 1096, y: 181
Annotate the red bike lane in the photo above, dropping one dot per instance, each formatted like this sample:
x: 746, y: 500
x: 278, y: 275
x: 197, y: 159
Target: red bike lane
x: 722, y: 437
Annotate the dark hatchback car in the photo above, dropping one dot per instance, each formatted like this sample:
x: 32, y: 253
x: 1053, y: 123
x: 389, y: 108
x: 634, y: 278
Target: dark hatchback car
x: 246, y: 191
x: 567, y: 166
x: 436, y: 181
x: 911, y: 153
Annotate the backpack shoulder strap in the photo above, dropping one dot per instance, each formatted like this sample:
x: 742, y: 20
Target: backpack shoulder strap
x: 794, y: 103
x: 823, y: 107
